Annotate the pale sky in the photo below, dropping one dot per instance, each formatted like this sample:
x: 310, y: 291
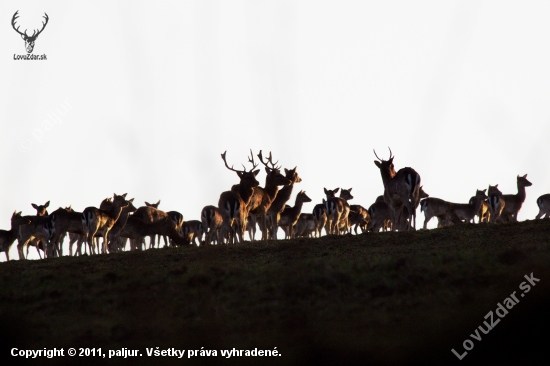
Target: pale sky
x: 143, y: 96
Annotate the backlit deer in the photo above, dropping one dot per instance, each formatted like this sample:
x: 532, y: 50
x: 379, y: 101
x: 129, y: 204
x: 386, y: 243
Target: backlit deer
x: 151, y: 213
x: 496, y: 204
x: 136, y: 230
x: 193, y: 231
x: 513, y: 202
x: 94, y: 219
x: 278, y: 204
x: 544, y: 206
x: 233, y: 204
x: 337, y: 210
x: 33, y: 234
x: 400, y: 189
x: 7, y: 237
x: 439, y: 208
x: 484, y: 215
x: 305, y: 226
x: 62, y: 221
x: 467, y: 211
x: 405, y: 223
x: 290, y: 215
x: 380, y: 216
x: 262, y: 198
x: 358, y: 218
x: 320, y: 216
x: 212, y: 223
x: 233, y: 211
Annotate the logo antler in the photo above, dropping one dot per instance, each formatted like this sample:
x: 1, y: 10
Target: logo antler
x: 29, y: 40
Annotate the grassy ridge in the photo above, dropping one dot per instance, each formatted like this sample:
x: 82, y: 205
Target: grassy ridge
x: 388, y: 298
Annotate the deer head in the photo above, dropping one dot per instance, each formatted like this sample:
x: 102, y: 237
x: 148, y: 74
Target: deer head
x: 386, y: 166
x: 41, y: 210
x: 273, y: 171
x: 29, y: 40
x: 247, y: 177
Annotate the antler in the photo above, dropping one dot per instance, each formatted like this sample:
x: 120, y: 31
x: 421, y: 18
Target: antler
x: 251, y: 160
x: 391, y: 155
x: 239, y: 171
x: 15, y: 16
x: 269, y: 160
x: 43, y: 26
x: 227, y: 166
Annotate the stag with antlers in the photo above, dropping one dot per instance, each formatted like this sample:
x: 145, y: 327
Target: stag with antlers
x: 233, y: 204
x: 401, y: 189
x: 262, y: 198
x: 29, y: 40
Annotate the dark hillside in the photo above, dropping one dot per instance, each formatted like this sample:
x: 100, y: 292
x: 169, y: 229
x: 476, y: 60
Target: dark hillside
x: 387, y: 298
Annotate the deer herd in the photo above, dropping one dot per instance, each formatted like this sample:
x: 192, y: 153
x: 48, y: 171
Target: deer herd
x: 248, y: 206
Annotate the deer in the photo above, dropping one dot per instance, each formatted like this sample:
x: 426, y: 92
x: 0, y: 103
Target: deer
x: 358, y: 217
x: 496, y: 203
x: 405, y: 223
x: 94, y: 219
x: 467, y: 211
x: 278, y: 204
x: 29, y: 40
x: 400, y: 189
x: 193, y: 231
x: 233, y: 204
x: 513, y: 202
x: 262, y: 198
x: 290, y: 215
x: 305, y: 226
x: 380, y: 216
x: 151, y: 213
x: 136, y: 230
x: 60, y: 222
x: 544, y: 206
x: 439, y: 208
x: 484, y: 215
x: 320, y: 216
x: 337, y: 209
x: 7, y: 237
x: 212, y: 223
x: 233, y: 211
x: 33, y: 233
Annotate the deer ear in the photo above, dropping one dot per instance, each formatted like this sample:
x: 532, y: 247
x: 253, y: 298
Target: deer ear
x: 325, y: 191
x: 256, y: 172
x: 377, y: 163
x: 336, y: 190
x: 35, y: 206
x: 23, y: 36
x: 47, y: 204
x: 525, y: 176
x: 391, y: 160
x: 132, y: 200
x: 350, y: 189
x: 267, y: 170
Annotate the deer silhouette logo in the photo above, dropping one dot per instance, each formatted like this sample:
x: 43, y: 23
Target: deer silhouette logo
x: 29, y: 40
